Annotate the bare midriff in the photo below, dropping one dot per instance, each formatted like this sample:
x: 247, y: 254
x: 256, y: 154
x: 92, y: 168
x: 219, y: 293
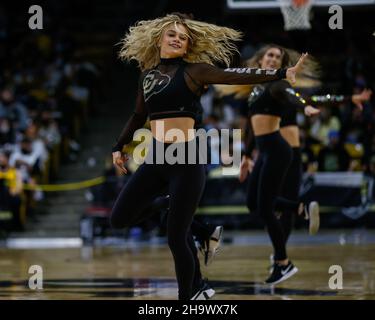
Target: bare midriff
x: 291, y: 135
x: 173, y: 129
x: 264, y: 124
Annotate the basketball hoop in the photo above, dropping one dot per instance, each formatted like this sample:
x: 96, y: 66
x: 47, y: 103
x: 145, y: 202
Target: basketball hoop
x: 296, y: 14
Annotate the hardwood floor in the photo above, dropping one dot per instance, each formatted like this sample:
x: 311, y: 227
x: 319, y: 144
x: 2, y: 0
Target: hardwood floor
x: 146, y: 272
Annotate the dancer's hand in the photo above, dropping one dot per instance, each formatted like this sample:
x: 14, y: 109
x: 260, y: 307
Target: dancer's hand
x: 364, y: 96
x: 119, y: 160
x: 311, y: 111
x: 245, y: 168
x: 291, y: 72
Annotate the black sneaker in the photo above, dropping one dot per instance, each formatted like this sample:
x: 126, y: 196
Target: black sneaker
x: 281, y: 273
x: 210, y: 247
x: 204, y: 292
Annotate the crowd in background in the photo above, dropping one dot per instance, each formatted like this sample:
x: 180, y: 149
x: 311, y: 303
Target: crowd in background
x: 45, y: 89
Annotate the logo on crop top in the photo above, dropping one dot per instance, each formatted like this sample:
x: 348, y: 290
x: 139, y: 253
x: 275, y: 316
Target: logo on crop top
x: 154, y: 82
x: 255, y: 94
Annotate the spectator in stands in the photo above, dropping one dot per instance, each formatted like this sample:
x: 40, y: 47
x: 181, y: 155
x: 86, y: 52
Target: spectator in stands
x: 38, y: 145
x: 26, y: 159
x: 49, y: 130
x: 12, y: 109
x: 324, y: 124
x: 11, y: 187
x: 309, y: 163
x: 333, y: 157
x: 225, y: 112
x: 7, y: 134
x: 42, y: 79
x: 53, y: 76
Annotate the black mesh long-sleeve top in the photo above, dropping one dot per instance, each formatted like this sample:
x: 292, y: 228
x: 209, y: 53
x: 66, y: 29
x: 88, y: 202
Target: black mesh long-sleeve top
x: 173, y: 89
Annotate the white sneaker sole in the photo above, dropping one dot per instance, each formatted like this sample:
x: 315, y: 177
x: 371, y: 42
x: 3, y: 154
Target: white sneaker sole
x: 314, y: 217
x: 214, y: 245
x: 285, y: 277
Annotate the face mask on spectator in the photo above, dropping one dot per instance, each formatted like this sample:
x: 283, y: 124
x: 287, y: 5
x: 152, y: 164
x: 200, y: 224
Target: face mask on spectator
x: 45, y: 122
x: 25, y: 151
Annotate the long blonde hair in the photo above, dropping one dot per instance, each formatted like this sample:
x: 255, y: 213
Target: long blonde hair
x: 208, y: 43
x: 308, y: 77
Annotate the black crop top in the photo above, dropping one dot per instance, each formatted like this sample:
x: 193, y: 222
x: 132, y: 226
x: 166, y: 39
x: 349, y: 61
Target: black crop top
x: 165, y: 98
x: 173, y: 89
x: 275, y: 98
x: 280, y: 94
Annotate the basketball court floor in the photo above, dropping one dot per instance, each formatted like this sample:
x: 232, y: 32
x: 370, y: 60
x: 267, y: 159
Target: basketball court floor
x: 144, y: 270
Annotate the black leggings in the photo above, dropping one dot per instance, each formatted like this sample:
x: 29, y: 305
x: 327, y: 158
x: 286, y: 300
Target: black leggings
x: 290, y: 191
x: 265, y: 184
x: 185, y: 184
x: 202, y: 231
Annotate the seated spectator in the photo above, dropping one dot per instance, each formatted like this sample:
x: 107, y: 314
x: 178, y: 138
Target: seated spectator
x: 11, y: 187
x: 26, y: 159
x: 38, y: 145
x: 7, y: 134
x: 323, y: 124
x: 309, y: 163
x: 49, y: 130
x: 78, y: 93
x: 334, y: 156
x: 12, y: 109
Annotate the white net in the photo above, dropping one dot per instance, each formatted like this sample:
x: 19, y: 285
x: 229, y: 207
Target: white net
x: 296, y: 14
